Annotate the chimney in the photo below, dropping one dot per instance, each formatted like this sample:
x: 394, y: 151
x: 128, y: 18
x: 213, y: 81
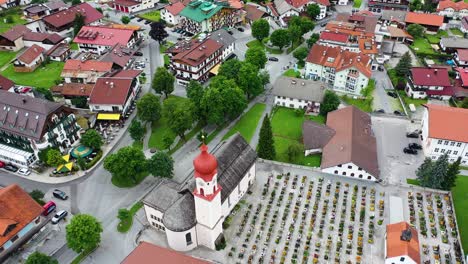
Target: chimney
x: 24, y: 100
x: 435, y: 71
x: 406, y: 235
x: 111, y: 84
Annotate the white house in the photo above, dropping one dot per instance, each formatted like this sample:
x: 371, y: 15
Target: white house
x: 191, y: 214
x: 84, y: 71
x: 450, y: 9
x: 132, y: 6
x: 401, y: 244
x: 30, y: 59
x: 429, y: 82
x: 341, y: 143
x: 170, y: 13
x: 444, y: 131
x: 341, y: 70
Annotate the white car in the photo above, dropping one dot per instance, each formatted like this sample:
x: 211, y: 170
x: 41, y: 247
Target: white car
x: 59, y: 216
x: 24, y: 171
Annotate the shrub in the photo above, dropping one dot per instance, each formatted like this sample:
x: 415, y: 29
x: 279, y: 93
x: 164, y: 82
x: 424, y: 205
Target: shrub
x: 95, y: 160
x: 220, y: 243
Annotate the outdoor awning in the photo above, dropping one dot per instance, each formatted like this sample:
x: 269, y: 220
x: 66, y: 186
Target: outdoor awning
x: 215, y: 69
x: 65, y: 167
x: 66, y: 157
x: 108, y: 116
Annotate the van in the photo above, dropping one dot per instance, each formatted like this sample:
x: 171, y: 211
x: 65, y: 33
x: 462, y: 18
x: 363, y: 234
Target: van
x: 49, y: 208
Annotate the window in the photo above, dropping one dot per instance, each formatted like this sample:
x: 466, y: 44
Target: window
x: 455, y: 153
x: 336, y: 172
x: 442, y: 151
x: 188, y: 238
x: 402, y: 259
x: 360, y: 176
x: 440, y: 141
x: 446, y: 142
x: 360, y: 168
x: 458, y: 144
x: 448, y: 152
x: 436, y: 150
x: 350, y: 167
x: 13, y: 239
x: 339, y: 165
x: 452, y: 143
x: 352, y: 174
x: 344, y: 173
x: 369, y: 177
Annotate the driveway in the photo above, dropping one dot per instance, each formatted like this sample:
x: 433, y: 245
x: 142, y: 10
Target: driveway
x: 381, y: 99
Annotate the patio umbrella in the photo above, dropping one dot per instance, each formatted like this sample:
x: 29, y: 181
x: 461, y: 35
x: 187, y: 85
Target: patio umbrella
x: 65, y: 167
x: 66, y: 157
x: 81, y: 151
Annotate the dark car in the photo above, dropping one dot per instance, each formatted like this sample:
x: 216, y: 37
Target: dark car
x: 140, y: 19
x: 380, y: 111
x: 240, y: 29
x: 412, y: 135
x: 414, y: 146
x: 323, y: 24
x: 138, y: 53
x: 11, y: 168
x: 60, y: 194
x: 273, y: 59
x: 380, y: 68
x: 230, y: 32
x: 410, y: 151
x: 392, y: 94
x: 396, y: 112
x: 147, y: 22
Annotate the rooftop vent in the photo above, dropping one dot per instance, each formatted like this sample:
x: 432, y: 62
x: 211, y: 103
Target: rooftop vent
x: 406, y: 235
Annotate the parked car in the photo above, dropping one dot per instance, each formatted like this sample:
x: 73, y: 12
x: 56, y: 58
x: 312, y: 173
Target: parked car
x: 49, y: 207
x: 60, y: 194
x: 414, y: 146
x: 392, y: 94
x: 230, y: 32
x: 11, y: 168
x: 273, y: 59
x: 140, y: 19
x: 323, y: 24
x: 410, y: 151
x: 138, y: 53
x: 24, y: 171
x: 396, y: 112
x: 380, y: 68
x: 412, y: 135
x: 59, y: 216
x: 147, y: 22
x: 2, y: 164
x: 380, y: 111
x: 240, y: 29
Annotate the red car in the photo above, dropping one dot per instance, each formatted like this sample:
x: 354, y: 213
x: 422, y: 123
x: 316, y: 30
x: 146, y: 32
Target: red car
x: 2, y: 164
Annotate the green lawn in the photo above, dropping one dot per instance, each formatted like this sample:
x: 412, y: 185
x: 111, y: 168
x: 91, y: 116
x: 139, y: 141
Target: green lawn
x: 421, y: 45
x: 138, y: 144
x: 74, y: 46
x: 363, y: 104
x: 154, y: 16
x: 412, y: 181
x: 292, y: 73
x: 435, y: 38
x: 6, y: 56
x: 163, y: 47
x: 460, y: 200
x: 247, y: 124
x: 257, y: 43
x: 42, y: 77
x: 318, y: 119
x: 126, y: 224
x: 357, y: 3
x: 188, y: 136
x: 127, y: 183
x: 15, y: 14
x: 457, y: 32
x: 409, y: 100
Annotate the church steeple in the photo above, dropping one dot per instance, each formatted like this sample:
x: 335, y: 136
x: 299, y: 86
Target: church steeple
x: 206, y: 170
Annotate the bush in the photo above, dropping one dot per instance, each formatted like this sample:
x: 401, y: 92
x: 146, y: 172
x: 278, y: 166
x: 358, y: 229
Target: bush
x: 299, y: 112
x: 95, y: 160
x: 220, y: 243
x: 38, y: 196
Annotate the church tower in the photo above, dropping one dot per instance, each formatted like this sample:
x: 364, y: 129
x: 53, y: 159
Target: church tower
x: 207, y: 196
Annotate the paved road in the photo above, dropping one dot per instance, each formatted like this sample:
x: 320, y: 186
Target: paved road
x: 381, y: 99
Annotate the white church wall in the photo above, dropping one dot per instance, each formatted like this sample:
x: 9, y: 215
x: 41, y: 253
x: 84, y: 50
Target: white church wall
x: 237, y: 194
x: 154, y: 217
x: 178, y: 240
x: 207, y: 236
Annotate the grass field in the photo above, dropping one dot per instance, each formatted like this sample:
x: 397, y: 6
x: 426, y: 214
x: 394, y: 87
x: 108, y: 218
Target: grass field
x: 256, y: 43
x: 457, y: 32
x: 460, y: 200
x: 422, y: 45
x: 125, y: 224
x: 357, y: 3
x: 129, y: 183
x: 74, y: 46
x: 292, y: 73
x: 412, y: 181
x: 6, y: 56
x: 409, y: 100
x: 247, y: 123
x: 42, y: 77
x: 154, y: 16
x: 435, y: 38
x: 363, y: 104
x: 15, y: 14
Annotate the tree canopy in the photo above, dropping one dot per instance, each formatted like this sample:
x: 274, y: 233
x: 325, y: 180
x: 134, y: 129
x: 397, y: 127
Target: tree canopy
x: 161, y: 164
x: 404, y: 65
x: 54, y: 158
x: 163, y: 81
x: 136, y: 130
x: 438, y: 174
x: 331, y: 101
x: 125, y: 20
x: 280, y: 38
x: 230, y: 69
x: 266, y: 143
x: 91, y: 138
x: 248, y: 80
x: 256, y: 56
x: 195, y: 93
x: 40, y: 258
x: 313, y: 11
x: 149, y: 108
x: 304, y: 23
x: 126, y: 164
x: 300, y: 54
x: 416, y: 30
x: 313, y: 39
x: 158, y: 31
x: 179, y: 115
x: 260, y: 29
x: 83, y: 233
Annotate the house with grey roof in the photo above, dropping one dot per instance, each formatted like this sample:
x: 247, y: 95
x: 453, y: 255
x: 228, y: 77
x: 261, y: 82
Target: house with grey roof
x: 451, y: 44
x: 191, y: 213
x: 226, y: 39
x: 299, y: 93
x: 29, y: 125
x: 393, y: 16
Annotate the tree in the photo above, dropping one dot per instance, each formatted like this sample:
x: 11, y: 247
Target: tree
x: 465, y: 103
x: 168, y: 140
x: 439, y: 172
x: 230, y: 69
x: 158, y: 31
x: 248, y: 80
x: 451, y: 177
x: 424, y: 171
x: 256, y: 56
x: 304, y: 23
x: 179, y: 115
x: 54, y: 158
x: 293, y: 151
x: 42, y: 155
x: 81, y: 163
x: 91, y: 138
x: 266, y: 143
x: 313, y: 11
x: 295, y: 33
x: 415, y: 5
x: 78, y: 23
x: 83, y: 233
x: 264, y: 77
x: 126, y: 164
x: 163, y: 81
x: 161, y: 164
x: 80, y: 101
x: 280, y: 38
x: 46, y: 93
x: 137, y: 130
x: 404, y: 65
x: 75, y: 2
x: 313, y: 39
x: 149, y: 108
x: 300, y: 54
x: 331, y: 101
x: 123, y: 214
x: 416, y: 30
x: 40, y: 258
x: 195, y: 93
x: 99, y: 10
x: 125, y: 20
x: 260, y: 29
x: 37, y: 195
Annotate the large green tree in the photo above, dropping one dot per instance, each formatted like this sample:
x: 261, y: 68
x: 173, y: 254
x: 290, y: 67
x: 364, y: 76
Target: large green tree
x: 294, y: 150
x: 40, y: 258
x: 331, y: 101
x: 404, y: 65
x: 161, y: 164
x: 300, y: 54
x: 149, y: 108
x: 313, y: 39
x: 313, y: 11
x: 416, y: 30
x: 125, y: 20
x: 249, y: 81
x: 451, y: 177
x: 260, y: 29
x: 78, y: 23
x: 126, y: 164
x: 83, y: 233
x: 158, y: 31
x: 465, y: 103
x: 195, y: 93
x: 230, y: 69
x: 163, y: 81
x: 179, y: 116
x: 304, y: 23
x: 136, y: 130
x: 256, y: 56
x: 424, y: 171
x: 295, y: 33
x: 54, y: 158
x: 280, y: 38
x: 438, y: 174
x: 266, y: 143
x: 91, y: 138
x: 415, y: 5
x: 38, y: 196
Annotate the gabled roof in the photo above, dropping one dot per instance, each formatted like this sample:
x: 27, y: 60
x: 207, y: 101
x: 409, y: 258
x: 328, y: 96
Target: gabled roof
x: 393, y: 15
x: 103, y: 36
x: 323, y: 2
x: 58, y: 50
x: 31, y: 54
x: 463, y: 76
x: 222, y: 36
x: 41, y: 37
x: 119, y: 55
x: 332, y: 36
x: 146, y: 253
x: 424, y: 19
x: 339, y: 59
x: 126, y: 74
x: 175, y: 8
x: 67, y: 16
x: 457, y: 6
x: 430, y: 76
x: 126, y: 2
x: 447, y: 122
x: 88, y: 65
x: 5, y: 83
x: 297, y: 3
x: 73, y: 89
x: 253, y: 12
x: 52, y: 5
x: 15, y: 32
x: 315, y: 135
x: 110, y: 91
x: 17, y: 209
x: 282, y: 6
x: 462, y: 54
x: 454, y: 42
x: 397, y: 247
x: 353, y: 141
x: 196, y: 52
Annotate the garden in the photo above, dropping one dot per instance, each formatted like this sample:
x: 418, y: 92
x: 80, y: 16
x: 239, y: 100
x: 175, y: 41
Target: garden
x: 44, y: 76
x: 460, y: 201
x: 257, y: 43
x: 248, y: 123
x: 153, y: 16
x: 6, y: 56
x: 10, y: 18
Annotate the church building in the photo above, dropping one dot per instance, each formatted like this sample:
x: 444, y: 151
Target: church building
x: 191, y: 214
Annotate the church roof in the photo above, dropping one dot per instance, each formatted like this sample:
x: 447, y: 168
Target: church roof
x: 163, y: 195
x: 180, y: 216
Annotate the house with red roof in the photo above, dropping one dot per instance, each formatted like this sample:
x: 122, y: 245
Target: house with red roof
x: 282, y: 10
x: 170, y: 13
x: 451, y: 9
x: 342, y: 70
x: 12, y: 40
x: 30, y: 59
x: 461, y: 57
x: 429, y: 82
x: 444, y: 132
x: 402, y: 244
x: 84, y: 71
x: 99, y: 40
x: 254, y: 12
x: 132, y: 6
x: 378, y: 6
x: 431, y: 22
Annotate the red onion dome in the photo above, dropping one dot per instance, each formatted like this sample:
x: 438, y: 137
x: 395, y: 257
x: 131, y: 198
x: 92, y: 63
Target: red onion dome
x: 205, y: 164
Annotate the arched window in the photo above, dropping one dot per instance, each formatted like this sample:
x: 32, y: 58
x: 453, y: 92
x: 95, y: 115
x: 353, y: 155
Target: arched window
x: 202, y: 192
x: 214, y: 189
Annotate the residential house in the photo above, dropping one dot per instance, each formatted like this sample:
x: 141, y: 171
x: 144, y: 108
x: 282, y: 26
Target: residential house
x: 132, y: 6
x: 361, y: 22
x: 454, y: 10
x: 29, y: 60
x: 5, y: 83
x: 44, y: 40
x: 120, y: 56
x: 378, y: 6
x: 429, y: 82
x: 195, y: 59
x: 21, y: 36
x: 402, y: 244
x: 170, y: 13
x: 37, y: 11
x: 115, y: 94
x: 5, y: 4
x: 99, y: 40
x: 282, y: 10
x: 461, y: 57
x: 207, y: 16
x: 394, y: 33
x: 464, y: 25
x: 393, y: 17
x: 84, y: 71
x: 59, y: 52
x: 341, y: 70
x: 254, y: 12
x: 70, y: 91
x: 299, y: 94
x: 347, y: 144
x: 146, y: 253
x: 460, y: 88
x: 28, y: 125
x: 12, y: 40
x: 444, y: 132
x: 452, y: 44
x: 20, y: 219
x: 431, y: 22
